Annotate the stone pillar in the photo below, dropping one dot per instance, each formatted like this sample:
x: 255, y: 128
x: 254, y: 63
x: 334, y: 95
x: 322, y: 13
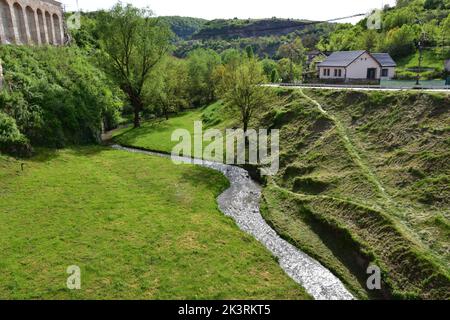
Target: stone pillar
x: 38, y: 29
x: 61, y: 29
x: 53, y: 32
x: 27, y: 25
x: 14, y: 23
x: 2, y: 34
x: 47, y: 38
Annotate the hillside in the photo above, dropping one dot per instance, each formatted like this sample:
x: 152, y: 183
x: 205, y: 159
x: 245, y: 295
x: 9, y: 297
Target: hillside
x: 367, y: 178
x: 264, y: 35
x: 363, y: 179
x: 238, y: 28
x: 184, y: 27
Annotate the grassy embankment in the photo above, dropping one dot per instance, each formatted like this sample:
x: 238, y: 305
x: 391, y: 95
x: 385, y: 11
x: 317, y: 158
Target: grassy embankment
x: 156, y: 134
x: 364, y: 179
x: 138, y: 226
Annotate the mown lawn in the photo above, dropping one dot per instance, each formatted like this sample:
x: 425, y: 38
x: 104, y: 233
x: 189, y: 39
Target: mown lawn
x: 139, y: 227
x: 156, y: 135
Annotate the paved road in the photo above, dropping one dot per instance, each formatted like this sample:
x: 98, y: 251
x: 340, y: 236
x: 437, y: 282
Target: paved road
x: 447, y: 91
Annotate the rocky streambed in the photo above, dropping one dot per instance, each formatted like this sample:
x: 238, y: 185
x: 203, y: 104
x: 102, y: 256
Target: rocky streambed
x: 241, y: 202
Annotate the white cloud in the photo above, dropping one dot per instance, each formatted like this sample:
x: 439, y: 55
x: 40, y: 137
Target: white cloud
x: 214, y: 9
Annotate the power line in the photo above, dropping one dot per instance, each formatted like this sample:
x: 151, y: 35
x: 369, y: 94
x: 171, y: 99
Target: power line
x: 296, y: 26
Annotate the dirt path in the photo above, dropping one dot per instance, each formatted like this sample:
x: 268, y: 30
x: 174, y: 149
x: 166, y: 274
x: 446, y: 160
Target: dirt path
x: 353, y: 152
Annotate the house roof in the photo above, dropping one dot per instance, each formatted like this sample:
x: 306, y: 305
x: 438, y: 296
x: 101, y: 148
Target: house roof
x: 345, y: 58
x: 384, y: 59
x: 341, y: 58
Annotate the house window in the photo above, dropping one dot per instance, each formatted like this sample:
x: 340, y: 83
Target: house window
x: 335, y: 72
x: 325, y: 72
x: 328, y: 72
x: 385, y: 73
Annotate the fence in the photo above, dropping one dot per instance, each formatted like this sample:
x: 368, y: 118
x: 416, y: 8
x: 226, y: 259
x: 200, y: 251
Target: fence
x: 394, y: 85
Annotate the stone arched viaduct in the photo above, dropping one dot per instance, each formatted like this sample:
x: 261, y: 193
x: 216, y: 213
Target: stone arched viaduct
x: 31, y: 22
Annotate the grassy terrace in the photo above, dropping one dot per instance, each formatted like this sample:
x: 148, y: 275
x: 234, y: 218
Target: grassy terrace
x: 156, y: 135
x: 138, y: 226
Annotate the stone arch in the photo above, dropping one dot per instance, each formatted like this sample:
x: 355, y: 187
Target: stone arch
x: 57, y: 27
x: 20, y: 23
x: 32, y: 25
x: 41, y: 24
x: 48, y: 22
x: 7, y: 22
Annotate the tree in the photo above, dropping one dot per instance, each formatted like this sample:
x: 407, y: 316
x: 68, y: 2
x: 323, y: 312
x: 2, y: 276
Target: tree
x: 269, y: 66
x: 288, y: 71
x: 444, y: 41
x: 400, y: 42
x: 369, y: 40
x: 133, y: 44
x: 169, y: 93
x: 201, y: 65
x: 295, y: 52
x: 241, y: 88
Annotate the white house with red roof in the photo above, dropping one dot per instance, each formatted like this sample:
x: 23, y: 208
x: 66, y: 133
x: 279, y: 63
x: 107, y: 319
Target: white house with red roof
x: 357, y: 65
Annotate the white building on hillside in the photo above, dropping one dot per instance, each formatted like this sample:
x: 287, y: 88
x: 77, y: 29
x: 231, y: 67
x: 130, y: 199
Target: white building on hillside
x: 347, y: 66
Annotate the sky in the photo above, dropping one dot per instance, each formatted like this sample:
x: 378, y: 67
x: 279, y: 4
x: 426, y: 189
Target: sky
x: 318, y: 10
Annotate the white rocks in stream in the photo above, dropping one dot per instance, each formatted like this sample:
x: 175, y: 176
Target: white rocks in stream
x: 241, y: 202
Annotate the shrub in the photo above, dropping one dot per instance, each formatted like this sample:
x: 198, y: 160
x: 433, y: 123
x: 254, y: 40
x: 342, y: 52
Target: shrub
x: 56, y: 96
x: 11, y: 140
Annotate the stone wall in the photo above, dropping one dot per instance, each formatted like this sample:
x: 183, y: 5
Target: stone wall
x: 31, y: 22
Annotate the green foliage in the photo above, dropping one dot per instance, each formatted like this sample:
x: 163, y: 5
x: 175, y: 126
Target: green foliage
x: 11, y: 140
x: 289, y: 71
x: 402, y: 28
x: 221, y: 35
x: 87, y: 35
x: 270, y: 70
x: 295, y: 51
x: 56, y: 96
x: 168, y: 91
x: 344, y: 38
x: 240, y: 87
x: 201, y: 65
x: 184, y: 27
x: 399, y: 42
x: 132, y: 44
x: 436, y: 4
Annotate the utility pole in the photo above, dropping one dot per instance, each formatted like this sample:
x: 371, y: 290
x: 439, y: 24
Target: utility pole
x: 420, y: 45
x: 419, y: 70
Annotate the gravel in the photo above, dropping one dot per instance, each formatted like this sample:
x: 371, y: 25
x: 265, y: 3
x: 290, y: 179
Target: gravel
x: 241, y: 202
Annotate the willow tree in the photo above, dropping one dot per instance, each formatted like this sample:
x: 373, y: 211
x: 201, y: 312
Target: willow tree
x: 132, y: 43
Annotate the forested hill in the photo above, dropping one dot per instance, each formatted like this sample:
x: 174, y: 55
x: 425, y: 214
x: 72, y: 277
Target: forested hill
x: 234, y: 28
x: 265, y: 36
x: 184, y: 27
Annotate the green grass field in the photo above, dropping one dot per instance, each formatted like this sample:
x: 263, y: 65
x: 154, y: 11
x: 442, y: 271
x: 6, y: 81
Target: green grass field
x: 156, y: 135
x: 139, y: 227
x: 363, y: 182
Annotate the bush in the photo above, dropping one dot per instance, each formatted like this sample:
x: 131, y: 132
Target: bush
x: 11, y: 140
x: 56, y: 96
